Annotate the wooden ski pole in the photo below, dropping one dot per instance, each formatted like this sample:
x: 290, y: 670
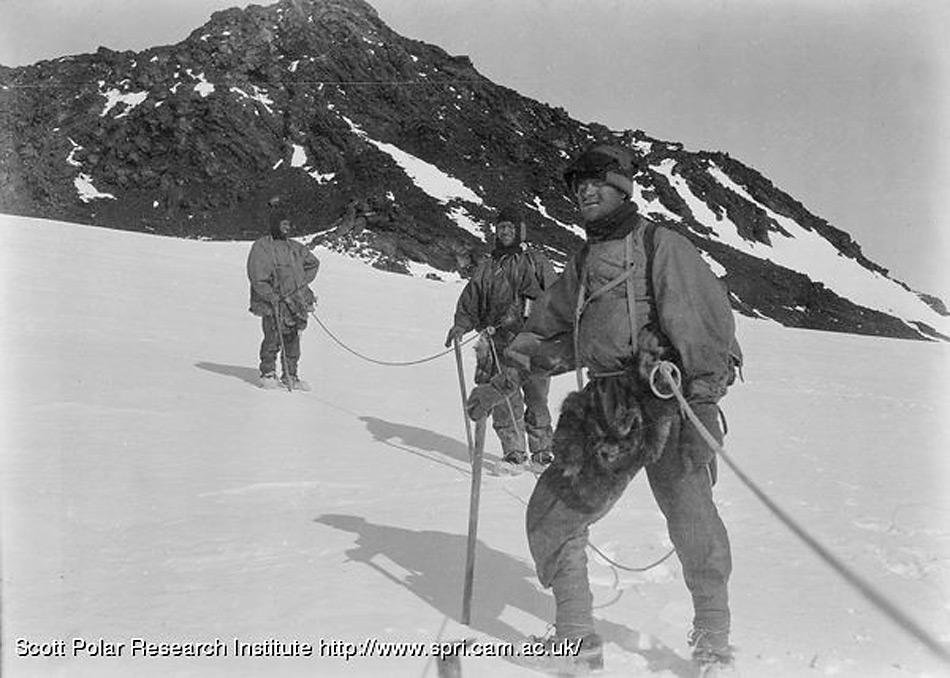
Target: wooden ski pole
x: 479, y: 448
x: 279, y: 321
x: 461, y: 371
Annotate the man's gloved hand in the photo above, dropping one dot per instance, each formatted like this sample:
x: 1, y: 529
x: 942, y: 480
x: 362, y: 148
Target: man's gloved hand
x: 549, y: 357
x: 455, y: 333
x: 525, y: 342
x: 694, y: 449
x: 520, y: 349
x: 484, y: 397
x: 482, y: 400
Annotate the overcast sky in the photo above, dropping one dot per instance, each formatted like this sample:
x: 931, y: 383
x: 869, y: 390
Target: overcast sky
x: 844, y: 104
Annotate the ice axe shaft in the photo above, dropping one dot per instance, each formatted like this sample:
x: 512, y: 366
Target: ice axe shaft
x: 461, y: 372
x: 477, y: 452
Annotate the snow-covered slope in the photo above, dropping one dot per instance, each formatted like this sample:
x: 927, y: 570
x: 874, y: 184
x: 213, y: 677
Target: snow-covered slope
x: 150, y: 491
x: 803, y: 250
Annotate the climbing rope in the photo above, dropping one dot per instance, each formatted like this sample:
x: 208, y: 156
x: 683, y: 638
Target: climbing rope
x: 607, y: 558
x: 387, y: 363
x: 494, y: 351
x: 673, y: 379
x: 885, y: 606
x: 599, y: 552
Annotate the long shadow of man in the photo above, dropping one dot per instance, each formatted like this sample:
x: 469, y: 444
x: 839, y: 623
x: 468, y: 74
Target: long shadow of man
x: 435, y: 563
x: 415, y: 438
x: 246, y: 374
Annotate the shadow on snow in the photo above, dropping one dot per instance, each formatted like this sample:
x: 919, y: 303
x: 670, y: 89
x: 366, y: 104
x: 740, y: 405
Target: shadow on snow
x: 248, y: 374
x: 414, y: 437
x: 435, y: 563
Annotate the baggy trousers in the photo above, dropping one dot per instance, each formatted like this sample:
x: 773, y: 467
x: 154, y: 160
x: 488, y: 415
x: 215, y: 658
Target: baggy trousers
x: 557, y: 539
x: 270, y: 346
x: 532, y: 417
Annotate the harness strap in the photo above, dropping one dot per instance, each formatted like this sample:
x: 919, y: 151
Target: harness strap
x: 604, y: 375
x: 578, y: 310
x: 625, y: 277
x: 582, y: 302
x: 631, y: 296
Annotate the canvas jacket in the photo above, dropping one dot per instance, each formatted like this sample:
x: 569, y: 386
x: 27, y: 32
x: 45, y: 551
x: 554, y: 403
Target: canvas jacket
x: 688, y: 305
x: 497, y: 292
x: 281, y: 269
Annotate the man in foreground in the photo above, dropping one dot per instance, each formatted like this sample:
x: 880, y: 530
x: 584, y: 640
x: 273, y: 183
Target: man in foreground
x: 635, y: 295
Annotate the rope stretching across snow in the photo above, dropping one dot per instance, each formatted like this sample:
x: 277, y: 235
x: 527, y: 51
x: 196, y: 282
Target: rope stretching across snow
x: 667, y: 370
x: 450, y: 350
x: 387, y: 363
x: 865, y: 589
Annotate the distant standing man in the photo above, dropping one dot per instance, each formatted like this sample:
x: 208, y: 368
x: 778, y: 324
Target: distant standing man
x: 497, y: 298
x: 280, y: 270
x: 632, y: 280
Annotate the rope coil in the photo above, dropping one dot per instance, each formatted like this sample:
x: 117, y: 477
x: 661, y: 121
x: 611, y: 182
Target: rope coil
x: 655, y: 387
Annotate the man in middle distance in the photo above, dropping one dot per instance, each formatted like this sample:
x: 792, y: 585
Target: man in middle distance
x: 498, y: 298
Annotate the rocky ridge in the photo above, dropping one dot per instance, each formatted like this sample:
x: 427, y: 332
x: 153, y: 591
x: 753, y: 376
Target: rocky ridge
x: 319, y: 106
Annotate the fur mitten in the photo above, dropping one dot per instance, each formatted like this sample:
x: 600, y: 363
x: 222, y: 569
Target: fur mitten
x: 610, y: 429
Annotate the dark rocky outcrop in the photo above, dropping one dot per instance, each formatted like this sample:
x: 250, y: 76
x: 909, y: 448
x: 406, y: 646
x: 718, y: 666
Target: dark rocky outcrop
x: 293, y: 103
